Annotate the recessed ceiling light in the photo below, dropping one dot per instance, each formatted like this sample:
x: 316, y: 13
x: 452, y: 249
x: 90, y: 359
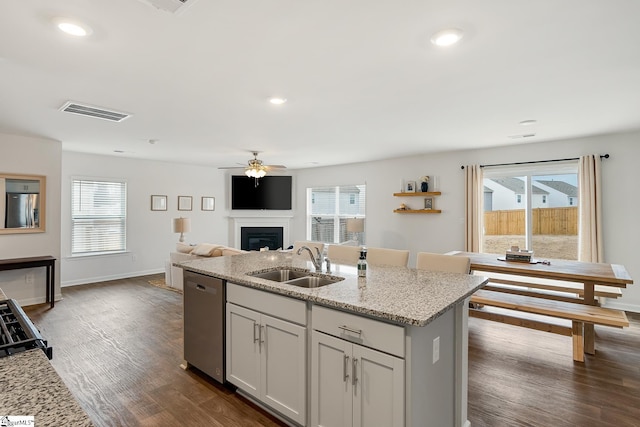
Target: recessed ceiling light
x: 528, y: 122
x: 447, y: 37
x: 71, y: 27
x: 277, y: 101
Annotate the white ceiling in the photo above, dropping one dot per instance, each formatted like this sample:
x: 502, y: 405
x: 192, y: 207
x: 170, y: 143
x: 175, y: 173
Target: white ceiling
x: 362, y: 80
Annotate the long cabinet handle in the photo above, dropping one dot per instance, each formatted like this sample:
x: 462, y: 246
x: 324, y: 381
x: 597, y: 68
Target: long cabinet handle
x: 352, y: 330
x: 256, y: 336
x: 345, y: 367
x: 262, y: 334
x: 354, y: 373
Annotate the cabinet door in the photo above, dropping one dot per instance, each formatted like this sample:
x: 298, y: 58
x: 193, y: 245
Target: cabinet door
x: 331, y: 392
x: 378, y: 392
x: 283, y: 367
x: 243, y: 349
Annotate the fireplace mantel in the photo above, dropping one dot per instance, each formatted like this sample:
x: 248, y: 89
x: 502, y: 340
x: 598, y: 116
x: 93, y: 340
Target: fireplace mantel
x: 237, y: 222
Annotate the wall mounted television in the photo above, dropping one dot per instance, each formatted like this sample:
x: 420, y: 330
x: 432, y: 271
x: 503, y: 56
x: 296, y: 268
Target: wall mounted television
x: 273, y: 192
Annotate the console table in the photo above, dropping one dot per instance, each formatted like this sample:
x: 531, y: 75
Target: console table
x: 38, y: 261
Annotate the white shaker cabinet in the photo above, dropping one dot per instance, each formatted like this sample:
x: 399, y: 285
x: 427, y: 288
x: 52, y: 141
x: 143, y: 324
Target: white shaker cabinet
x: 353, y: 385
x: 266, y: 357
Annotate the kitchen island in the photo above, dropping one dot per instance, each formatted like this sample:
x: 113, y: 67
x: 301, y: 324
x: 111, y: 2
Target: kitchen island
x: 398, y: 336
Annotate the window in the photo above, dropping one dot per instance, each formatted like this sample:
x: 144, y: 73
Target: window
x: 328, y: 209
x: 544, y: 217
x: 98, y: 217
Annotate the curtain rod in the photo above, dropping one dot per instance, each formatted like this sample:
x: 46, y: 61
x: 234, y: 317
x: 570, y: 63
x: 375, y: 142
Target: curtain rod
x: 602, y: 156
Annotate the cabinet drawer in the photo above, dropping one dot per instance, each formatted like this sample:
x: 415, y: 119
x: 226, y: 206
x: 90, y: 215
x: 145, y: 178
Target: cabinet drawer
x: 274, y: 305
x: 362, y: 330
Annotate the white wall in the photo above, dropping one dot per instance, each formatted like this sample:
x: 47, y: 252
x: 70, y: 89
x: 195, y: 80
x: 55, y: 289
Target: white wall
x: 32, y: 156
x: 150, y: 237
x: 445, y: 232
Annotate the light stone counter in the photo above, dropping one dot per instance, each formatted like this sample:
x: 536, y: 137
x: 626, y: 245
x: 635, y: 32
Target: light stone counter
x: 396, y: 294
x: 29, y: 385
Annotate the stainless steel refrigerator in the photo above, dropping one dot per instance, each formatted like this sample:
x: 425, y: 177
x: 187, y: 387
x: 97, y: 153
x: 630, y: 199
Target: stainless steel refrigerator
x: 22, y: 211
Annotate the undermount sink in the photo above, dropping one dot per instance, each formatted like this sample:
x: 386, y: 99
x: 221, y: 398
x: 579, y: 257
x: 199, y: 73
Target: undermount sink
x: 281, y: 275
x: 313, y: 281
x: 301, y: 278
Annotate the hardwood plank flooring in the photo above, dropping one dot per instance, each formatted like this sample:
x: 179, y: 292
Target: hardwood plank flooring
x: 118, y: 347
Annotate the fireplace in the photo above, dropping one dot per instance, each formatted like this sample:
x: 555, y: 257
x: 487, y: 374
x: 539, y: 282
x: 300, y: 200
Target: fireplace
x: 254, y: 238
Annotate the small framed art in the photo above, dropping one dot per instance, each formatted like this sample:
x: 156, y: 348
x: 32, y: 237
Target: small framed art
x: 185, y: 203
x: 158, y: 203
x: 208, y: 204
x: 410, y: 187
x: 428, y: 203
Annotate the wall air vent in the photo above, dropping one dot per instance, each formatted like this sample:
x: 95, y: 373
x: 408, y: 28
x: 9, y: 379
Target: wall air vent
x: 171, y: 6
x: 92, y: 111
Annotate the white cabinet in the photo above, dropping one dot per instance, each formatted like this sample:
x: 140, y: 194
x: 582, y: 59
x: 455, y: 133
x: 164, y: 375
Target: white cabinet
x: 266, y: 356
x: 353, y: 385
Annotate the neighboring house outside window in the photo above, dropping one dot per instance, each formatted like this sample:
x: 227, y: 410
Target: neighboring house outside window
x: 328, y: 209
x: 533, y: 207
x: 98, y: 217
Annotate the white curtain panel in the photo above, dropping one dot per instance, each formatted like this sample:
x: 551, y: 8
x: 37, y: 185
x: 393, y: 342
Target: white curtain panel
x: 473, y: 208
x: 590, y: 209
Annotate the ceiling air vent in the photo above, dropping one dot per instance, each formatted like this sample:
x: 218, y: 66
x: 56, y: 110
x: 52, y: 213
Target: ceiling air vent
x: 172, y: 6
x: 92, y: 111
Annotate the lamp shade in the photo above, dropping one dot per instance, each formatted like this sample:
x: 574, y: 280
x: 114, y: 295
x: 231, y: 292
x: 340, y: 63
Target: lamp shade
x: 355, y: 225
x: 181, y: 225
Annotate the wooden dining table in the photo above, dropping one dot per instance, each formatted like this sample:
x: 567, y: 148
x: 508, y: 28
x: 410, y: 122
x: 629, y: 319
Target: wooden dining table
x: 589, y: 274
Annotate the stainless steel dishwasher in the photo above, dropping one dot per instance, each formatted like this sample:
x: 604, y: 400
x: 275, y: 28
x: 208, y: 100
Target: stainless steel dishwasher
x: 204, y: 318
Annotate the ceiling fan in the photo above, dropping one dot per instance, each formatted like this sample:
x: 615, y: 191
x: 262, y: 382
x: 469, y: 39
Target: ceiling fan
x: 256, y: 168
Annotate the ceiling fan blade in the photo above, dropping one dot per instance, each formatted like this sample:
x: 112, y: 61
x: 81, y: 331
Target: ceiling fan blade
x: 276, y: 166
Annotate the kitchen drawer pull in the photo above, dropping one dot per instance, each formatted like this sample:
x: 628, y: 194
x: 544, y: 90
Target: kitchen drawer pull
x: 348, y: 329
x: 200, y: 287
x: 345, y: 374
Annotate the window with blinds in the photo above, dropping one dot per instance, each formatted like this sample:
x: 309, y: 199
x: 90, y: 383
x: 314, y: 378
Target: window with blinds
x: 98, y: 217
x: 329, y: 208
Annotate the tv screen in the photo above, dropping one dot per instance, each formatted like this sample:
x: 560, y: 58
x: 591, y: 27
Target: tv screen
x: 272, y: 192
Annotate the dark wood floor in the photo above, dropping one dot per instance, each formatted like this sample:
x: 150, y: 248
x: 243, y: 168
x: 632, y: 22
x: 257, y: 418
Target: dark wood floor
x: 118, y: 347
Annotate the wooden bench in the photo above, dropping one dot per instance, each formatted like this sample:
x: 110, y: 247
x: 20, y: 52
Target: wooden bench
x: 545, y: 288
x: 578, y: 314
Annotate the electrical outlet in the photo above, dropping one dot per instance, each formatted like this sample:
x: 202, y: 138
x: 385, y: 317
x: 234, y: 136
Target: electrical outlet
x: 134, y: 257
x: 29, y: 279
x: 436, y: 349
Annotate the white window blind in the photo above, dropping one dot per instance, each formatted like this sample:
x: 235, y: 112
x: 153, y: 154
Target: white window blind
x: 98, y: 217
x: 328, y: 210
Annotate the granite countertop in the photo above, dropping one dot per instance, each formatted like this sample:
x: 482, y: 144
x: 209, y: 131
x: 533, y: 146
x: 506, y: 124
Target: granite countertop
x: 29, y: 385
x: 401, y: 295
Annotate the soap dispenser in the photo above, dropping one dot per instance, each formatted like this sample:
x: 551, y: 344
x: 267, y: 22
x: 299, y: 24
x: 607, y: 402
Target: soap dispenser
x: 362, y: 263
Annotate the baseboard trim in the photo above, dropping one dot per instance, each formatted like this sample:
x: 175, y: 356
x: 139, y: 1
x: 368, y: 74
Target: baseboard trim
x: 88, y: 280
x: 620, y: 306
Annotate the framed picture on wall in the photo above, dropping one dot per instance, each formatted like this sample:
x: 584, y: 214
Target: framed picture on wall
x: 208, y: 204
x: 185, y: 203
x: 158, y: 203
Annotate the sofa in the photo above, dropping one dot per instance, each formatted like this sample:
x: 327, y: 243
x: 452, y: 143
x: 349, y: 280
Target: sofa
x: 186, y: 252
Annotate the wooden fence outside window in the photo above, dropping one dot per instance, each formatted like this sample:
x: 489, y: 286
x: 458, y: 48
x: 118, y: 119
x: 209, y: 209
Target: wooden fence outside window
x: 550, y: 221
